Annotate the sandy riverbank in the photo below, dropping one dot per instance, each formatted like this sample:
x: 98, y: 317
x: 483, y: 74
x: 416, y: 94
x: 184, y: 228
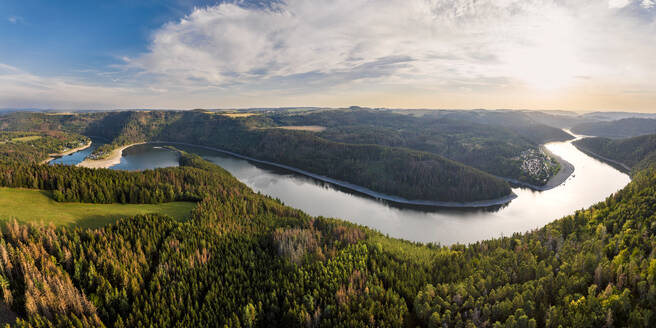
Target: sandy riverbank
x: 566, y: 169
x: 68, y: 152
x: 111, y: 160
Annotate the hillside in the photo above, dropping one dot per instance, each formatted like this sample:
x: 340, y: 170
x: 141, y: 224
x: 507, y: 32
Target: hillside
x: 245, y: 260
x: 496, y: 142
x: 397, y: 171
x: 635, y: 153
x: 623, y: 128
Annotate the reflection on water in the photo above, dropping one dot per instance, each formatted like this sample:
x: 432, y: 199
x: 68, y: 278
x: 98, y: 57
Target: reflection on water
x: 141, y: 157
x: 78, y: 156
x: 591, y: 182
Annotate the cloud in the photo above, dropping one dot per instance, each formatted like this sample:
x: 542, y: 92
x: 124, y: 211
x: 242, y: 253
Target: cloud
x: 22, y: 89
x: 230, y: 45
x: 15, y: 19
x: 326, y: 43
x: 403, y: 53
x: 618, y: 3
x: 7, y: 69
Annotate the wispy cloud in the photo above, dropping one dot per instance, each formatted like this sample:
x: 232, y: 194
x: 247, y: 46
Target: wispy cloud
x: 618, y: 3
x: 22, y: 89
x: 15, y: 19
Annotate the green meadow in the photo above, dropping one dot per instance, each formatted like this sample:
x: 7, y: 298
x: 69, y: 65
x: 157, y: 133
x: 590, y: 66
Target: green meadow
x: 37, y: 206
x: 26, y: 139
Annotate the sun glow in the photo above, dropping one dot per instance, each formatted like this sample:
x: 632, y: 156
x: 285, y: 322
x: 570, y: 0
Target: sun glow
x: 549, y: 57
x: 548, y: 66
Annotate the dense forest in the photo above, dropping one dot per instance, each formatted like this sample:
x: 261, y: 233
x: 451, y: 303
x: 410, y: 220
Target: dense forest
x: 246, y: 260
x: 398, y: 171
x: 634, y: 153
x: 617, y: 129
x: 496, y: 142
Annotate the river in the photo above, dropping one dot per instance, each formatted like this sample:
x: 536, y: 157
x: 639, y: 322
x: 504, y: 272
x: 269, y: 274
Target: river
x: 591, y: 182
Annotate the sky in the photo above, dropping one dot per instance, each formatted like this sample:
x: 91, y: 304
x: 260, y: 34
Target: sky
x: 582, y: 55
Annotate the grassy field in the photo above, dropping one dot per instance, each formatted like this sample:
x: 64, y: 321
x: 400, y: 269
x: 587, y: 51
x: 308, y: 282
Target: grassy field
x: 407, y: 250
x: 36, y: 206
x: 237, y: 115
x: 311, y: 128
x: 26, y: 139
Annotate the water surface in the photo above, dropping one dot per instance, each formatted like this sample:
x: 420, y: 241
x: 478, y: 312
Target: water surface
x: 77, y: 157
x: 147, y: 156
x: 591, y: 182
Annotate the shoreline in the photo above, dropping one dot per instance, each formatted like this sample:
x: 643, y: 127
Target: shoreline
x: 566, y: 170
x: 366, y: 191
x: 616, y: 164
x: 111, y: 160
x: 621, y: 166
x: 62, y: 154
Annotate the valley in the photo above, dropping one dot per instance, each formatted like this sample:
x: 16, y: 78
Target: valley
x: 322, y: 197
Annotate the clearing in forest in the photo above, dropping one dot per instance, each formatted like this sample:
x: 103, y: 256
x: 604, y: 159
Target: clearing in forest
x: 27, y: 205
x: 26, y: 139
x: 238, y: 115
x: 311, y: 128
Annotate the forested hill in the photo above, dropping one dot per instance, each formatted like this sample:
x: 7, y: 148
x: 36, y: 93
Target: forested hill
x: 390, y: 170
x: 636, y: 153
x: 396, y: 171
x: 623, y: 128
x: 497, y: 142
x: 245, y: 260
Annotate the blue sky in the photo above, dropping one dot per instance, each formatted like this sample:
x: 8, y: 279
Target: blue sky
x: 542, y: 54
x: 66, y: 37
